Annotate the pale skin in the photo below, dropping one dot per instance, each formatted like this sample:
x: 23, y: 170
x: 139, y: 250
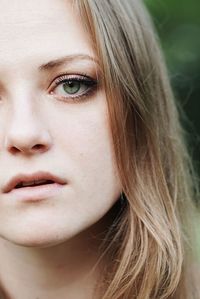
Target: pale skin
x: 49, y: 249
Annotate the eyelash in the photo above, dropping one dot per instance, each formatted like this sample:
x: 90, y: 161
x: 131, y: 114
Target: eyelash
x: 84, y: 80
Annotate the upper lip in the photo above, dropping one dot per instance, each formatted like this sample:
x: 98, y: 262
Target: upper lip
x: 40, y: 175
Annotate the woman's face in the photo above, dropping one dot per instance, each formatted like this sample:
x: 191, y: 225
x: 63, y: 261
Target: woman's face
x: 53, y: 119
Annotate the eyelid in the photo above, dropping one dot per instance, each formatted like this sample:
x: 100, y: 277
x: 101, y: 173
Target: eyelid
x: 90, y: 82
x: 76, y: 76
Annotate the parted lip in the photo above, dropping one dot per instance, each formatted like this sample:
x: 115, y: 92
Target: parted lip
x: 40, y: 175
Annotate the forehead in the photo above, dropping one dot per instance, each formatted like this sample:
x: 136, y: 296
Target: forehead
x: 37, y: 28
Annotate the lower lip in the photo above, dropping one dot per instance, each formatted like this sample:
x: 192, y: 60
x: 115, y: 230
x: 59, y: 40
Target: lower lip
x: 34, y: 194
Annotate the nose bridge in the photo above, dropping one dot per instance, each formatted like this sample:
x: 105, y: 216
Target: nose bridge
x: 26, y: 130
x: 23, y: 109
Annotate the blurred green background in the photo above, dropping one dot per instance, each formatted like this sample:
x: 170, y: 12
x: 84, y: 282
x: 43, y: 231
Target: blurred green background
x: 178, y: 26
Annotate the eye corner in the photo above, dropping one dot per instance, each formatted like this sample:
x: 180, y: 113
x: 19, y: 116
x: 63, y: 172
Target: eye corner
x: 84, y: 86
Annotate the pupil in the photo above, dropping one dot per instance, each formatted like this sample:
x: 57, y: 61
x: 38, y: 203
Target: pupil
x: 71, y: 87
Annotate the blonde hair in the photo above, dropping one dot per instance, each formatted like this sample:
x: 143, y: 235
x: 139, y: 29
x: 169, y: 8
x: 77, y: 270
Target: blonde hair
x: 150, y: 239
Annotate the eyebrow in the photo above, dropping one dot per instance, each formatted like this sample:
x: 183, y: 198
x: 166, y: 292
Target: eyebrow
x: 65, y: 60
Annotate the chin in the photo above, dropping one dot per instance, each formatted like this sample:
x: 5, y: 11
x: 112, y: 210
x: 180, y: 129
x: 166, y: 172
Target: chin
x: 40, y: 237
x: 34, y: 241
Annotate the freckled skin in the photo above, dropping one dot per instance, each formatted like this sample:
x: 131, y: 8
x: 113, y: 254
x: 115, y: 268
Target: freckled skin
x: 39, y: 131
x: 75, y: 136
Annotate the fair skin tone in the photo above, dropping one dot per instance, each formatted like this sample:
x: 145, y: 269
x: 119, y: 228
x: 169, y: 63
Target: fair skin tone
x: 48, y: 248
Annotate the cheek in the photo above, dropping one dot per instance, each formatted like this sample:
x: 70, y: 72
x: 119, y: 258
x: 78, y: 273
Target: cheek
x: 88, y: 152
x: 82, y: 132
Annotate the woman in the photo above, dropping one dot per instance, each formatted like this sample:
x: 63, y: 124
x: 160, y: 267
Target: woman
x: 96, y: 188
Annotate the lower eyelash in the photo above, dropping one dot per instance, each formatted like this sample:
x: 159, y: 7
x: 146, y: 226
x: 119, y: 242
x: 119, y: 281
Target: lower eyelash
x: 90, y: 83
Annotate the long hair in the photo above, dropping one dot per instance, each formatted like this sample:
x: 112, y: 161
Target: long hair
x: 150, y: 241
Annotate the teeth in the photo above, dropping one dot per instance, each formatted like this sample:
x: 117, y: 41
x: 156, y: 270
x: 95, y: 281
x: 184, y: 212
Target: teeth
x: 24, y: 184
x: 33, y: 183
x: 38, y: 182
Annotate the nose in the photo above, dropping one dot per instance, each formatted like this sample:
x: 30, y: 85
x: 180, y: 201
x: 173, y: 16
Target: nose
x: 26, y: 133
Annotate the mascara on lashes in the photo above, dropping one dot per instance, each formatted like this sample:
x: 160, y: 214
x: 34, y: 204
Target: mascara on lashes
x: 83, y: 80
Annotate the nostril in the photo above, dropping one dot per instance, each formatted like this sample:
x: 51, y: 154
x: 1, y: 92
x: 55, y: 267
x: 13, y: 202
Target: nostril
x: 35, y: 148
x: 38, y: 146
x: 28, y: 144
x: 14, y: 150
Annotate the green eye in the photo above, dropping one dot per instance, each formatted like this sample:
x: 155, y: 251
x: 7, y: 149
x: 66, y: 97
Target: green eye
x: 71, y: 87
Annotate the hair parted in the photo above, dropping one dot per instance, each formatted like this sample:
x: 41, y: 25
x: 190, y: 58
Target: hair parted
x: 149, y: 241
